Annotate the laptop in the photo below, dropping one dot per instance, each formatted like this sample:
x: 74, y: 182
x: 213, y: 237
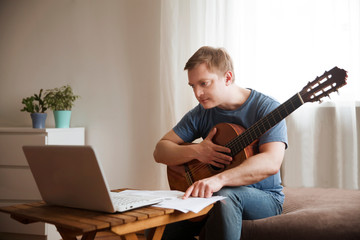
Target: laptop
x: 72, y: 176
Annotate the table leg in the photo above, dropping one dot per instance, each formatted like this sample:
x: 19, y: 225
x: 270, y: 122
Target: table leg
x: 155, y: 233
x: 69, y: 235
x: 130, y: 236
x: 158, y: 232
x: 66, y: 234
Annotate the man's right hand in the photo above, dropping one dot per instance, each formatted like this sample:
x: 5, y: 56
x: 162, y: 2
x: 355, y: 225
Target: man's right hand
x: 211, y: 153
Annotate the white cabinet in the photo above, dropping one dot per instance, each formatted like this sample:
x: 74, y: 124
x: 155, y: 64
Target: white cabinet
x: 17, y: 184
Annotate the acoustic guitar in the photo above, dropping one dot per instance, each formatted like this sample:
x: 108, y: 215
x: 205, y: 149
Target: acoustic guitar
x: 243, y: 142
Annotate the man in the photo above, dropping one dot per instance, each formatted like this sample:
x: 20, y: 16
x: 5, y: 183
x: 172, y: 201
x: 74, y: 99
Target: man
x: 253, y: 189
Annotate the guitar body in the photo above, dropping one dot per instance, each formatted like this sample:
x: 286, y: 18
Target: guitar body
x: 181, y: 177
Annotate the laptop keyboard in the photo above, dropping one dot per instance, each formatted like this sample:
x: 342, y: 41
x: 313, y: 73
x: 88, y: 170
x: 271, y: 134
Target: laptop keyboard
x: 125, y: 202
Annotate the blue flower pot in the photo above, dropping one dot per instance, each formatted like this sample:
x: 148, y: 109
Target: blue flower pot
x: 38, y: 120
x: 62, y: 119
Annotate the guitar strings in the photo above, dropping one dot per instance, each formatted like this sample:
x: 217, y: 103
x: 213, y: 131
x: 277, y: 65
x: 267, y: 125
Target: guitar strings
x: 254, y: 132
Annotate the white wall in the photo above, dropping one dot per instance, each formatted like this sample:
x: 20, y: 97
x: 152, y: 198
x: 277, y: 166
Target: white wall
x: 108, y: 51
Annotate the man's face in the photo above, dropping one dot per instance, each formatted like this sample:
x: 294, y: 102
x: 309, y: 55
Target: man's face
x: 208, y: 86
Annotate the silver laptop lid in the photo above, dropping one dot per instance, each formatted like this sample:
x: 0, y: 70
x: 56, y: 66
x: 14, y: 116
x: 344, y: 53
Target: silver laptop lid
x: 69, y: 176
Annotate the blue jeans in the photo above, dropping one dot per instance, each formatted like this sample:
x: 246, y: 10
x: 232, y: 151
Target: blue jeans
x: 225, y: 218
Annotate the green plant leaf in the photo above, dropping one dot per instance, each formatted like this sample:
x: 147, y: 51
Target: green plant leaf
x: 61, y: 98
x: 34, y: 104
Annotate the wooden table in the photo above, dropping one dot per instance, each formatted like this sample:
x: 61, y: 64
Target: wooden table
x: 72, y: 222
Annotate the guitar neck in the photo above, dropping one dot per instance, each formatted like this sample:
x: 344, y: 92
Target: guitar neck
x: 263, y: 125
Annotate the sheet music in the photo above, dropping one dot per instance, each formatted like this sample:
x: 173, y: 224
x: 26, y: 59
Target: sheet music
x: 173, y: 199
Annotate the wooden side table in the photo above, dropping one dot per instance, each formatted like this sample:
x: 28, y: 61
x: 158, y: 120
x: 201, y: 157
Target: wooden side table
x: 72, y: 222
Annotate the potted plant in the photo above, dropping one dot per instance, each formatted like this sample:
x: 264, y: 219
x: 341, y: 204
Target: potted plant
x: 36, y: 106
x: 61, y: 100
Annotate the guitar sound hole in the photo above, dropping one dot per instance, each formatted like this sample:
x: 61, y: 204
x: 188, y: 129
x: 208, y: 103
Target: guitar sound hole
x: 216, y: 168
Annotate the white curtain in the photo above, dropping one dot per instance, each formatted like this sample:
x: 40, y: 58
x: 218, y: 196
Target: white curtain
x: 277, y: 47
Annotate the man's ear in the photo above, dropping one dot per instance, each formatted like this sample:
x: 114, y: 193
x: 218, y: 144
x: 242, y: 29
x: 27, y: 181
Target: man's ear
x: 228, y: 78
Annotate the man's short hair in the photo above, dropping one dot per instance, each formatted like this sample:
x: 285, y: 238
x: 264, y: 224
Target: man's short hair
x: 216, y: 59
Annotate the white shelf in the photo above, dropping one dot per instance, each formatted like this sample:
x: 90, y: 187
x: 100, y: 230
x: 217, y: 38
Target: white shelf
x: 37, y: 130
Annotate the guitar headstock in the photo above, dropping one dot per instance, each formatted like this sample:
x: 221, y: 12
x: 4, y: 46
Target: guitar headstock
x: 322, y: 86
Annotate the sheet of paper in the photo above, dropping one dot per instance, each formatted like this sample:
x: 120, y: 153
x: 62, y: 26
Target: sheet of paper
x: 173, y: 199
x: 190, y: 204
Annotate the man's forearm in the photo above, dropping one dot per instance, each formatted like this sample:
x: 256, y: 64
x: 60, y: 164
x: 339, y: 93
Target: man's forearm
x: 255, y: 168
x: 170, y: 153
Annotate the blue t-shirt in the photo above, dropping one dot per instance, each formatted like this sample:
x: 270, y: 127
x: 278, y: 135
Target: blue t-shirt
x: 199, y: 121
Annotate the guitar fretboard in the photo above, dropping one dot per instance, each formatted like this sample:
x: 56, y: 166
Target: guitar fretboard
x: 263, y: 125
